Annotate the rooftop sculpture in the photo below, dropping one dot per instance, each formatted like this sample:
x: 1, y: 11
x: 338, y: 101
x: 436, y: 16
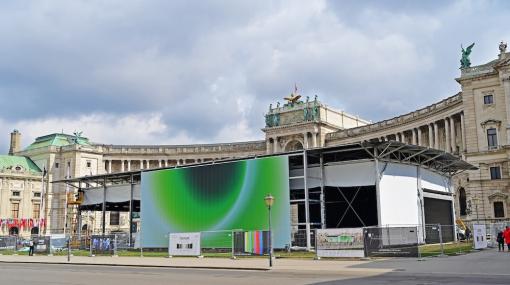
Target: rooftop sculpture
x: 464, y: 61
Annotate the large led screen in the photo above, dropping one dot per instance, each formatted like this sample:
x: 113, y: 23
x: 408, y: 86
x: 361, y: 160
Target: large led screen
x: 215, y: 198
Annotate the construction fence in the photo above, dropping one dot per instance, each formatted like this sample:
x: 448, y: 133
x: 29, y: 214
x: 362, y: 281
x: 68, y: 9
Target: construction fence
x: 388, y: 241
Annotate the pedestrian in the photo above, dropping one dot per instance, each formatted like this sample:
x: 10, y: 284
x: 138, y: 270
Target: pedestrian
x: 501, y: 241
x: 468, y: 234
x: 506, y: 235
x: 31, y: 247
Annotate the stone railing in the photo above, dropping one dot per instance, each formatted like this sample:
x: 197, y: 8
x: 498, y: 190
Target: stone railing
x: 185, y: 149
x: 413, y: 116
x: 476, y: 70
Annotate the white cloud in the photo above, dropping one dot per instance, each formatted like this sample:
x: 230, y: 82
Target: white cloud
x: 156, y: 72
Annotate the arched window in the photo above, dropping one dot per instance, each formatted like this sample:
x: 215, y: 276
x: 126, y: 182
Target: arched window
x: 13, y: 231
x: 462, y: 201
x: 34, y: 231
x: 294, y: 145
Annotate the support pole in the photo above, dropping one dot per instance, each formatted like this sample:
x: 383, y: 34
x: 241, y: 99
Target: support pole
x: 131, y: 210
x: 307, y: 202
x: 377, y: 189
x: 103, y: 230
x: 322, y: 198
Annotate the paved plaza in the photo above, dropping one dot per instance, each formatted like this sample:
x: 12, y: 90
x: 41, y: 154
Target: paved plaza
x: 484, y: 267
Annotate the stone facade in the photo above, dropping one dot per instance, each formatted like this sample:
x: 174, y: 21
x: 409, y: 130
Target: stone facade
x: 473, y: 124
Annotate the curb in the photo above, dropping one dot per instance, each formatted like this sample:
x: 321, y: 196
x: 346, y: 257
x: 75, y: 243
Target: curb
x: 139, y: 265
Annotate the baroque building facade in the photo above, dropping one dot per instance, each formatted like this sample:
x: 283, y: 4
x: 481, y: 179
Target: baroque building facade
x: 473, y: 124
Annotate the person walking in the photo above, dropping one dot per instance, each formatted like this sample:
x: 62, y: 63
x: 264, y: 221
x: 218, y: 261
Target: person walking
x: 501, y: 241
x: 506, y: 236
x: 31, y: 247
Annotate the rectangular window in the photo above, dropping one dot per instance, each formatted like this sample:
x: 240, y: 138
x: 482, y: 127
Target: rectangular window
x: 89, y: 164
x: 15, y: 210
x: 36, y: 211
x: 488, y: 99
x: 495, y: 172
x: 15, y: 193
x: 37, y: 194
x: 492, y: 138
x: 499, y: 211
x: 114, y: 218
x: 56, y: 164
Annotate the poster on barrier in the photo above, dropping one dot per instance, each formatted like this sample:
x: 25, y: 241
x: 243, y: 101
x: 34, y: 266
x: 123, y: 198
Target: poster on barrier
x: 251, y: 242
x: 479, y: 236
x: 346, y: 242
x: 102, y: 244
x: 42, y: 245
x: 184, y: 244
x: 391, y: 241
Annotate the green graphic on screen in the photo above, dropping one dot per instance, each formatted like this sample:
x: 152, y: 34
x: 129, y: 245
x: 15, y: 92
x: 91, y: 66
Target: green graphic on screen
x: 215, y: 199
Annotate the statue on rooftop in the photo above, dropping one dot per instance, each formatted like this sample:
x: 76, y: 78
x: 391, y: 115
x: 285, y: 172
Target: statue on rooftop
x: 464, y: 61
x: 502, y: 47
x: 294, y: 97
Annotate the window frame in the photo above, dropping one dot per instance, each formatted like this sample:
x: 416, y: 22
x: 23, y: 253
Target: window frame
x: 15, y: 210
x: 495, y: 172
x: 486, y: 99
x: 115, y: 214
x: 492, y: 139
x: 500, y: 210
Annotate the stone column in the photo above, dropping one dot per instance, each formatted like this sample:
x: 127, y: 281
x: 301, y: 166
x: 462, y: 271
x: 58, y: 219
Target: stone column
x: 109, y: 166
x: 447, y: 146
x: 386, y: 138
x: 414, y: 136
x: 452, y: 135
x: 268, y: 145
x: 305, y: 140
x: 275, y: 140
x: 419, y: 137
x: 431, y: 136
x: 397, y: 137
x: 159, y: 163
x: 505, y: 78
x: 314, y: 139
x: 141, y: 164
x: 122, y: 166
x: 436, y: 136
x: 129, y: 165
x: 165, y: 163
x: 463, y: 131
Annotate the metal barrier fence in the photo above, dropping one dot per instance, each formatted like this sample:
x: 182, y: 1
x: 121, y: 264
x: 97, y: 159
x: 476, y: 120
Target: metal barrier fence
x: 391, y: 240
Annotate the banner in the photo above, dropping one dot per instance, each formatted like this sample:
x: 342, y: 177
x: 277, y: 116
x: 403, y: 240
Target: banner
x: 184, y: 244
x: 479, y: 236
x: 214, y: 198
x: 346, y: 242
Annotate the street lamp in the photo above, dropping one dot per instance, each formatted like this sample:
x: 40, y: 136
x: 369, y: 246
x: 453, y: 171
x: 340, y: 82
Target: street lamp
x: 269, y: 200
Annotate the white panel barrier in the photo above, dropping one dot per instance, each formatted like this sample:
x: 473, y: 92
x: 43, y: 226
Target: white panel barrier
x: 346, y: 242
x: 479, y: 236
x: 184, y: 244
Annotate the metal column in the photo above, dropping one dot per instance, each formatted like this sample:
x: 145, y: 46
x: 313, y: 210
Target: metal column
x: 322, y: 198
x: 131, y: 210
x: 103, y: 230
x: 307, y: 202
x: 377, y: 190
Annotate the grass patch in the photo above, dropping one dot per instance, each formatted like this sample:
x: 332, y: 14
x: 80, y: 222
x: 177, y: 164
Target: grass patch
x: 449, y: 249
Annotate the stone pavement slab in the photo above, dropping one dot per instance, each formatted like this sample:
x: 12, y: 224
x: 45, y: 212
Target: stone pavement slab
x: 261, y: 264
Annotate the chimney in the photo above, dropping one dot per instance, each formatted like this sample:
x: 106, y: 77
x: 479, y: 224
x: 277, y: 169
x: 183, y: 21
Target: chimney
x: 15, y: 142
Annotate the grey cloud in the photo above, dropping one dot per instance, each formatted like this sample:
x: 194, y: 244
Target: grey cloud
x: 205, y: 65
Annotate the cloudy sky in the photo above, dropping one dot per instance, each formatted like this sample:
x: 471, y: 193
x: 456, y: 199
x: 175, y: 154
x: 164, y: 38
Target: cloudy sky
x: 178, y: 72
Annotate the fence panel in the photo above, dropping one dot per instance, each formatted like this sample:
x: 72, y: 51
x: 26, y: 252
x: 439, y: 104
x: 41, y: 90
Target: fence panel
x: 391, y: 241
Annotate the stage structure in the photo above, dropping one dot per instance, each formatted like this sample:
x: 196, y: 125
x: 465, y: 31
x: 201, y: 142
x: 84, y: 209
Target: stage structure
x: 351, y: 186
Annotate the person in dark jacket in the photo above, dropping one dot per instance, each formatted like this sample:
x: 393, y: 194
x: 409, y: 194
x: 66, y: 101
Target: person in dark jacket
x: 501, y: 241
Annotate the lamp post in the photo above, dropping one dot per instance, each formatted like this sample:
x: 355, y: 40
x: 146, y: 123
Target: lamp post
x: 269, y: 200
